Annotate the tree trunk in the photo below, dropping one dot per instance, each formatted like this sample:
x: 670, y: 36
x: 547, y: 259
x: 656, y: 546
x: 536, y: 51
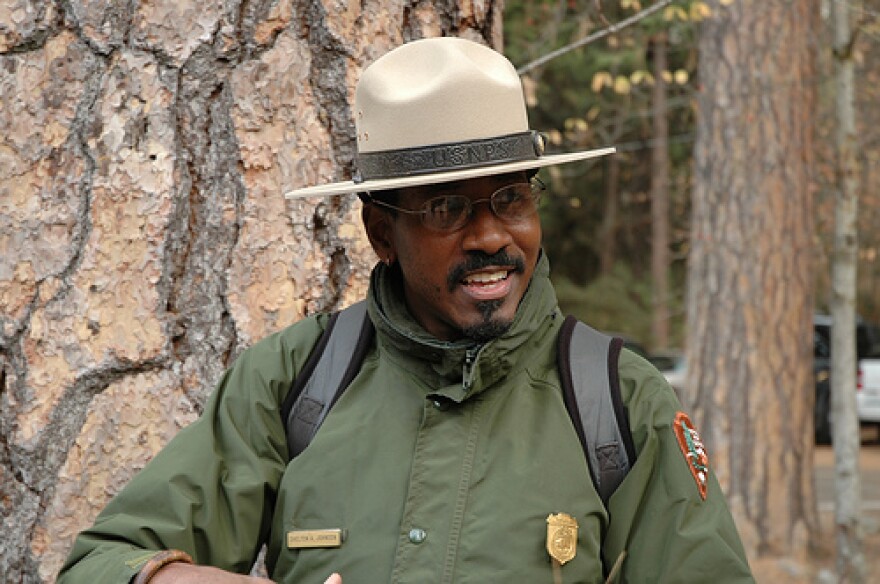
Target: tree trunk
x: 845, y: 431
x: 144, y: 238
x: 660, y: 256
x: 750, y: 280
x: 608, y: 230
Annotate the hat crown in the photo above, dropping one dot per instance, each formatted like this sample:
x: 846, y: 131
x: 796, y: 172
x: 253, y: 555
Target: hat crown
x: 437, y: 91
x: 439, y: 110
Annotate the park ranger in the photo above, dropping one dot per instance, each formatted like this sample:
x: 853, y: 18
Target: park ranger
x: 451, y: 456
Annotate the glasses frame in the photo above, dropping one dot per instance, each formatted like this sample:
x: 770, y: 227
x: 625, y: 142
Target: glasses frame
x: 536, y: 188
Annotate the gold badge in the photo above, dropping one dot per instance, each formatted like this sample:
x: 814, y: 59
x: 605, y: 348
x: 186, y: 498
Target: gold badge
x: 315, y: 538
x: 562, y: 535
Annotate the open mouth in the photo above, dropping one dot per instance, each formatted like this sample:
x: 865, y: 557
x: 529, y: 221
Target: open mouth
x: 486, y: 278
x: 494, y: 284
x: 485, y: 272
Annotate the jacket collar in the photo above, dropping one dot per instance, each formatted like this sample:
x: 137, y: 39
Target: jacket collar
x: 457, y: 369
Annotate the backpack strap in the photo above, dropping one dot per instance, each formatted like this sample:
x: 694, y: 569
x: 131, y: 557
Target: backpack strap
x: 593, y: 400
x: 591, y: 391
x: 332, y: 365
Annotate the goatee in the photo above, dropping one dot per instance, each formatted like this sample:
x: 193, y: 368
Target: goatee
x: 489, y: 327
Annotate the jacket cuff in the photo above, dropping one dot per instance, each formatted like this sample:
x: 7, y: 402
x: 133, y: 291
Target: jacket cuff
x: 158, y: 561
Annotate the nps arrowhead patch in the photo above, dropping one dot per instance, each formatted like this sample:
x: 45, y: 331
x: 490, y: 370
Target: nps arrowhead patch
x: 694, y: 452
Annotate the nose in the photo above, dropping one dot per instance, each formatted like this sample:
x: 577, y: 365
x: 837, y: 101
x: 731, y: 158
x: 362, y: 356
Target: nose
x: 484, y: 231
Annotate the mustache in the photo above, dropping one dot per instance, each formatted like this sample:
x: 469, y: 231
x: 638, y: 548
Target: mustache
x: 478, y: 260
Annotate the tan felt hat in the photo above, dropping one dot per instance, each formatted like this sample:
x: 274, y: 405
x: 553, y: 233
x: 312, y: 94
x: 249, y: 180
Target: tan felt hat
x: 439, y: 110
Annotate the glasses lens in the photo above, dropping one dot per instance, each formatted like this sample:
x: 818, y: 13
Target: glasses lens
x: 515, y: 202
x: 511, y: 203
x: 445, y: 213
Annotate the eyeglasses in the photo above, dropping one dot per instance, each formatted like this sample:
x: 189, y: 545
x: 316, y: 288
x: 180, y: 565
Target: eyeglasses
x: 511, y: 204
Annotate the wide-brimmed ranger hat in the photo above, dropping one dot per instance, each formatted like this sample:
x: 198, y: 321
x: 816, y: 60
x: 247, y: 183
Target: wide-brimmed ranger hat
x: 439, y: 110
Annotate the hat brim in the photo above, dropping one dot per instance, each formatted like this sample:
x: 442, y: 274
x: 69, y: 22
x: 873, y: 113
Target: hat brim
x: 346, y: 187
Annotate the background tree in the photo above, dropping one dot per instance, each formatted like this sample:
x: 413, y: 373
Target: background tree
x: 598, y: 222
x: 660, y: 257
x: 597, y: 216
x: 144, y: 239
x: 845, y: 431
x: 750, y: 282
x: 863, y: 55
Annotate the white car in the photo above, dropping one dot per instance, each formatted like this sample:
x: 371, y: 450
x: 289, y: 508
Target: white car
x: 868, y: 394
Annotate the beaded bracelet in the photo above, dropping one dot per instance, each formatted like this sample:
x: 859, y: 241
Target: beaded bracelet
x: 158, y: 561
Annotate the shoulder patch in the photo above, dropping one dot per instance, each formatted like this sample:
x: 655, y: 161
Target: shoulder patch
x: 694, y: 452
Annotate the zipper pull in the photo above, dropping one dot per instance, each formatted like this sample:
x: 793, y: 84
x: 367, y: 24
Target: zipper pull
x: 467, y: 374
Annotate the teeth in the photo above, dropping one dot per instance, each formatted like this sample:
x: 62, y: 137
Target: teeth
x: 485, y: 277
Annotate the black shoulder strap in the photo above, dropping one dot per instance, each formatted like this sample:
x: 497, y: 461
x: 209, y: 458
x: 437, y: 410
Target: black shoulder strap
x: 330, y: 368
x: 591, y: 391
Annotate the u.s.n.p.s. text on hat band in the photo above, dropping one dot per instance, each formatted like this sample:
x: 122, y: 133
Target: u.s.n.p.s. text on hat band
x: 440, y: 110
x: 446, y: 157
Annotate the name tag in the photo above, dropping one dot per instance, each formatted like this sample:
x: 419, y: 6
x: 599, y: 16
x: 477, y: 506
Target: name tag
x: 315, y: 538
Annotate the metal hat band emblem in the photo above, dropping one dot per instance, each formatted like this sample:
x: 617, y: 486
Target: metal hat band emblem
x: 561, y: 537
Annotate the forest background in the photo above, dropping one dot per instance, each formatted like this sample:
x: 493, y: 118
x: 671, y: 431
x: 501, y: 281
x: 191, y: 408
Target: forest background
x: 144, y: 146
x: 599, y: 226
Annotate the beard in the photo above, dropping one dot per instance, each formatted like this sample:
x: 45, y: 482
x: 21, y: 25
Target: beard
x: 490, y: 327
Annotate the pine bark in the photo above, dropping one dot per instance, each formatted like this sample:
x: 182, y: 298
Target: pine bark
x: 750, y: 280
x: 144, y: 238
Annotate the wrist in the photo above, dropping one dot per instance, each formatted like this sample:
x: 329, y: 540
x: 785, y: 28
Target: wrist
x: 159, y: 561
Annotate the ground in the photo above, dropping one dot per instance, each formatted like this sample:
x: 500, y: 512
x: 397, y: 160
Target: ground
x: 821, y: 566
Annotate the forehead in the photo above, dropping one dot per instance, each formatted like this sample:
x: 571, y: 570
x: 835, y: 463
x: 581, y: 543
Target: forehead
x: 475, y: 188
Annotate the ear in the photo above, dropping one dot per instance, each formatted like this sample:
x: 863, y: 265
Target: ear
x: 379, y: 226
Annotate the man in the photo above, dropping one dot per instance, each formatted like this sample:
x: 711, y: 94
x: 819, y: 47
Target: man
x: 452, y: 447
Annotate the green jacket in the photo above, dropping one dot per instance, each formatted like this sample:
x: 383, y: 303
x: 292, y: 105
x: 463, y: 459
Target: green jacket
x: 441, y: 462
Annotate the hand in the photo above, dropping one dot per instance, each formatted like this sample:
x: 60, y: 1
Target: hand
x: 182, y: 573
x: 334, y: 579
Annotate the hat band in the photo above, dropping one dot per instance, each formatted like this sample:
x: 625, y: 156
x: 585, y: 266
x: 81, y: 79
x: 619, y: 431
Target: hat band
x: 446, y: 157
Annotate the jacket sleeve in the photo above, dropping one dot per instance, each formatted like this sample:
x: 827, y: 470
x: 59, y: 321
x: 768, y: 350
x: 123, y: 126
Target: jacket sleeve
x: 657, y: 516
x: 210, y: 491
